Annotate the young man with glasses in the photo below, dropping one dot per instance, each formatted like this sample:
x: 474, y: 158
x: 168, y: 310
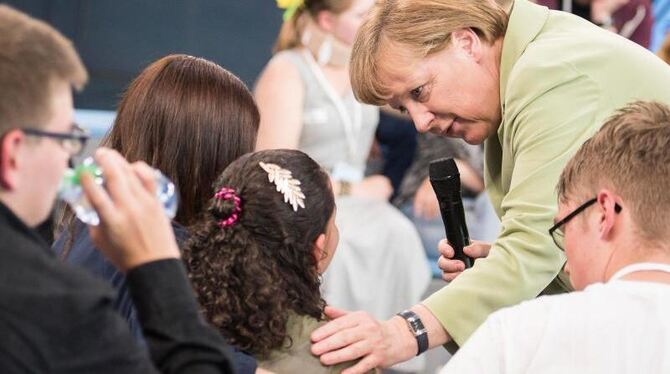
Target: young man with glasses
x: 73, y: 142
x: 614, y: 224
x: 55, y: 318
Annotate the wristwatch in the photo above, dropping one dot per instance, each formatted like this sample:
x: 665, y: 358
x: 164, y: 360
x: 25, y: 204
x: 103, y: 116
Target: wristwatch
x: 417, y: 329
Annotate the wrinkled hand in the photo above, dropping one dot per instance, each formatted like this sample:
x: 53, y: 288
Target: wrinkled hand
x: 133, y: 228
x: 426, y: 205
x: 453, y: 268
x: 374, y: 186
x: 349, y: 336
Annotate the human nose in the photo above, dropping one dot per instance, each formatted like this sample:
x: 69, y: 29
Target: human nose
x: 421, y: 117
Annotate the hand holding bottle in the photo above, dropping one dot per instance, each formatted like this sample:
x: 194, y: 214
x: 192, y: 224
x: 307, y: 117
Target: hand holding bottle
x: 72, y: 193
x: 133, y: 228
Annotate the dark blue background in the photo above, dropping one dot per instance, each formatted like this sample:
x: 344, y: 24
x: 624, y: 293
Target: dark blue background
x: 118, y: 38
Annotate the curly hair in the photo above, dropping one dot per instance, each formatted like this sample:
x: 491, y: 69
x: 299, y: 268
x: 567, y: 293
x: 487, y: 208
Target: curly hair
x: 250, y: 275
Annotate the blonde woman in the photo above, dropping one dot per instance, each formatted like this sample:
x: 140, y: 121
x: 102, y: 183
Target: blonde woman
x: 306, y: 103
x: 530, y: 83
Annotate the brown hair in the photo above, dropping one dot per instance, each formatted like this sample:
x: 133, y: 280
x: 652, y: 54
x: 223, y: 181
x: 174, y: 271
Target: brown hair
x: 629, y: 154
x: 33, y: 57
x: 291, y: 30
x: 189, y: 118
x: 251, y: 275
x: 423, y: 27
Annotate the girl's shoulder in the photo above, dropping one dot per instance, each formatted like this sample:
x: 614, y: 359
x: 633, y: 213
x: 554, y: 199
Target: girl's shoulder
x: 297, y: 356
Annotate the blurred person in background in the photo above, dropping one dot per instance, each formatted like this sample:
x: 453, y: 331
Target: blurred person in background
x: 632, y: 19
x: 305, y: 100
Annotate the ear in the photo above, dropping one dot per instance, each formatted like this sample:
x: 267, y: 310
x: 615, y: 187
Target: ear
x: 326, y: 20
x: 319, y: 248
x: 10, y: 145
x: 608, y: 203
x: 468, y: 42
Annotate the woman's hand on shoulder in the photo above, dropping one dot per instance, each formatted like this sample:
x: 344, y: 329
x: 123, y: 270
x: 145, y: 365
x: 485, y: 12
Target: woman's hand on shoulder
x: 133, y: 228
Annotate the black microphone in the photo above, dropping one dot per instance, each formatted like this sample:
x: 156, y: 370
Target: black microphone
x: 446, y: 182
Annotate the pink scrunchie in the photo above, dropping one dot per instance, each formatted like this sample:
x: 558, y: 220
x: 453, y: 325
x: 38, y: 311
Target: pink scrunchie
x: 226, y: 193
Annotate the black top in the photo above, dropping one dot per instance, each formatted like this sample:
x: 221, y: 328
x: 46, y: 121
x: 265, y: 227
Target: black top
x: 55, y: 318
x: 84, y: 254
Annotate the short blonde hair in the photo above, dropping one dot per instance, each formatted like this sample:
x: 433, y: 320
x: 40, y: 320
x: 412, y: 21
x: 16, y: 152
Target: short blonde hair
x: 33, y: 57
x: 423, y: 27
x: 631, y: 155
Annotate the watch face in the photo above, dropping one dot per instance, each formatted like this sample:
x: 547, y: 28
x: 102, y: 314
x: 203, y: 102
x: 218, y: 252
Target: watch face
x: 415, y: 325
x: 413, y: 321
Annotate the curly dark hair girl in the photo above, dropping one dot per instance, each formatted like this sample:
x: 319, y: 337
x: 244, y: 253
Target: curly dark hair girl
x: 249, y: 275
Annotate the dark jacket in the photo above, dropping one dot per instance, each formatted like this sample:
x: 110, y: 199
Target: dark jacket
x: 84, y: 254
x: 55, y: 318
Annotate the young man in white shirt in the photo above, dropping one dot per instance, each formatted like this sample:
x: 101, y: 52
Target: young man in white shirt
x: 614, y: 225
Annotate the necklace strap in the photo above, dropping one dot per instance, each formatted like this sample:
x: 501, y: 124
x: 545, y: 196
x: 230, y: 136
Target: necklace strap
x: 641, y: 266
x: 352, y: 124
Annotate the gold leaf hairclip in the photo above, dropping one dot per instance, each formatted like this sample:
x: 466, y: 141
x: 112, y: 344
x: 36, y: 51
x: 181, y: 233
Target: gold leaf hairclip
x: 286, y: 184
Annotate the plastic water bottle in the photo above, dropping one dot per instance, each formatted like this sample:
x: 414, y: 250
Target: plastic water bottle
x: 71, y: 192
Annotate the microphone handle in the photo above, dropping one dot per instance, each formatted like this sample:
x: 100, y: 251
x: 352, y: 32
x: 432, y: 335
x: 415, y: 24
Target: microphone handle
x: 453, y: 217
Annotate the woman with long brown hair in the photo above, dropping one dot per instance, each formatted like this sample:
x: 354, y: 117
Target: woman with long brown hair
x: 187, y: 117
x: 306, y: 103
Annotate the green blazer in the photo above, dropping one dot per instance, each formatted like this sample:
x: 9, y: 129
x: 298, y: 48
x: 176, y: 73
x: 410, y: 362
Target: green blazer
x: 561, y: 77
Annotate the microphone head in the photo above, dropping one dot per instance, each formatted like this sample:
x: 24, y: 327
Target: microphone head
x: 443, y: 168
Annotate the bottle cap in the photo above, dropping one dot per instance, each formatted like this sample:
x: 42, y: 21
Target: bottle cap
x: 91, y: 169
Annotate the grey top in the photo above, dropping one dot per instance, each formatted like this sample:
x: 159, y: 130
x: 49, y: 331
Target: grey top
x: 431, y: 147
x: 324, y: 135
x: 296, y: 355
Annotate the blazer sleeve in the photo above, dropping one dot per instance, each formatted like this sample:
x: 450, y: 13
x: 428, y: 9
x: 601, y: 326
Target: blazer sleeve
x: 550, y: 110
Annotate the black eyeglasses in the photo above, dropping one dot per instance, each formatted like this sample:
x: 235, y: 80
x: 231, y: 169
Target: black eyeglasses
x: 73, y: 142
x: 557, y: 233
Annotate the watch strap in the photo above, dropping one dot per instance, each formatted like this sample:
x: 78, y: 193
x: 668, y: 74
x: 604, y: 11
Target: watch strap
x: 417, y: 328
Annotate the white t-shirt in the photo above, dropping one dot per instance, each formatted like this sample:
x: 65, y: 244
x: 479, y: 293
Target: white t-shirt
x: 618, y: 327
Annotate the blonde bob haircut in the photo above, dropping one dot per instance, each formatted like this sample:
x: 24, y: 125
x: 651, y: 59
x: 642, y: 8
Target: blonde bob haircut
x: 422, y: 27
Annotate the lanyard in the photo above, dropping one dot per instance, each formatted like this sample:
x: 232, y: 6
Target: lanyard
x: 352, y: 125
x: 642, y: 266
